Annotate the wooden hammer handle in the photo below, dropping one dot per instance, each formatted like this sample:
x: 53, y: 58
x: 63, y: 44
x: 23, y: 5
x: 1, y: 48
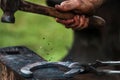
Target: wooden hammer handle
x: 50, y: 11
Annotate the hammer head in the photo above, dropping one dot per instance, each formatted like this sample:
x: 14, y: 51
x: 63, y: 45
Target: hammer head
x: 9, y: 7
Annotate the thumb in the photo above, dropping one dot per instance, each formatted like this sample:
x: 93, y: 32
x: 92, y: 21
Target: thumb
x: 67, y: 5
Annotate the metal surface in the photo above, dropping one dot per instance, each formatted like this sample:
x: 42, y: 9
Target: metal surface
x: 27, y: 70
x: 75, y: 68
x: 30, y: 66
x: 18, y: 56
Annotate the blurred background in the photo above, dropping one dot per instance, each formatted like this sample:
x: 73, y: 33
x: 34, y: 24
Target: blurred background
x: 40, y: 33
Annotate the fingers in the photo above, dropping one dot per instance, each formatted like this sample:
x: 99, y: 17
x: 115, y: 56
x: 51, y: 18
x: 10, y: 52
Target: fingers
x: 67, y: 5
x: 80, y: 22
x: 83, y: 23
x: 77, y: 23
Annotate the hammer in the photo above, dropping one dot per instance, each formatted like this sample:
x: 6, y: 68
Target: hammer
x: 9, y: 8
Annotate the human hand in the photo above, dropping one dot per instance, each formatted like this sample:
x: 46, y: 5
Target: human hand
x: 79, y: 7
x: 78, y: 22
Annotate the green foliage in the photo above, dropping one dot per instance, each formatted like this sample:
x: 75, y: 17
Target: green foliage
x: 37, y: 32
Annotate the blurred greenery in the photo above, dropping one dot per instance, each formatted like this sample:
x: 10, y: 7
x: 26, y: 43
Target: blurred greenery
x: 40, y: 33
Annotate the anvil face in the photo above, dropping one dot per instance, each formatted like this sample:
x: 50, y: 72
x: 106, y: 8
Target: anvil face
x: 18, y: 57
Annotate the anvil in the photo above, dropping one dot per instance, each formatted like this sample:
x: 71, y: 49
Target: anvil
x: 13, y: 59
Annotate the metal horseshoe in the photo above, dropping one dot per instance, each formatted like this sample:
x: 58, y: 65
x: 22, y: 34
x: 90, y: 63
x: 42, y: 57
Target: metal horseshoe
x: 73, y: 70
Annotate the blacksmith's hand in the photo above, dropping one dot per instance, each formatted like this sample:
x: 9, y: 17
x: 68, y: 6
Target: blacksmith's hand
x: 80, y: 20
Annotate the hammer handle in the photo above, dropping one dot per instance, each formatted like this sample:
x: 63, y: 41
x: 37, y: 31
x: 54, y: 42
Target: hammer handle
x: 50, y: 11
